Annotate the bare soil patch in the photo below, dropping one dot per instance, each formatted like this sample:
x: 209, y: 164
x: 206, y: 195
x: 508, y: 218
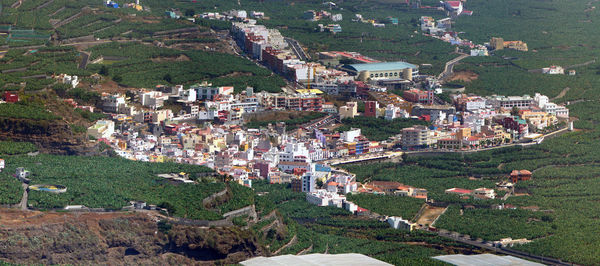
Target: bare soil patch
x: 465, y: 76
x: 430, y: 214
x: 180, y: 58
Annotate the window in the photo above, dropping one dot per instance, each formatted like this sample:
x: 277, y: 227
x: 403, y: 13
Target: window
x: 376, y: 75
x: 386, y: 74
x: 371, y: 75
x: 396, y: 74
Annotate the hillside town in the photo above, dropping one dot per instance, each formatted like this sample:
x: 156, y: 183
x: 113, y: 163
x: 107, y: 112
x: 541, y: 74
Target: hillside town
x: 205, y: 125
x: 216, y: 126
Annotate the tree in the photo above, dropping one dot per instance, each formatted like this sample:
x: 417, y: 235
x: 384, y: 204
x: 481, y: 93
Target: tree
x: 514, y: 111
x: 164, y: 226
x: 189, y: 12
x: 167, y: 77
x: 103, y: 71
x: 117, y: 78
x: 319, y: 183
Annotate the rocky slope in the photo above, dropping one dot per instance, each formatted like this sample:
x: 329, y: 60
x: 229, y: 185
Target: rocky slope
x: 117, y: 238
x: 50, y: 136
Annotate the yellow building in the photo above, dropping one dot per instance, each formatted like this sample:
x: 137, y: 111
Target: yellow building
x: 540, y: 120
x: 463, y: 133
x: 497, y: 43
x: 516, y: 45
x: 350, y: 110
x: 157, y: 158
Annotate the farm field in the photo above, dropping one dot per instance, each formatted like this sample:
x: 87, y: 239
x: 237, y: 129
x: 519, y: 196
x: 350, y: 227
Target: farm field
x: 101, y: 182
x: 333, y: 230
x: 146, y: 66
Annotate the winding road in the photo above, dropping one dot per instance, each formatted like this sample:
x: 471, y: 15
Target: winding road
x: 449, y: 68
x: 23, y: 203
x: 511, y: 252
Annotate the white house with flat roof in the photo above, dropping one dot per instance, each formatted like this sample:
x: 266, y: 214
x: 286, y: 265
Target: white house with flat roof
x: 102, y: 129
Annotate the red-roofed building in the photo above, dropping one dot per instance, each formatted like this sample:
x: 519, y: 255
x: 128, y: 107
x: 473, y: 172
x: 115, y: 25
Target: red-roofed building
x: 459, y: 191
x: 455, y: 7
x: 332, y: 186
x: 10, y: 97
x: 520, y: 175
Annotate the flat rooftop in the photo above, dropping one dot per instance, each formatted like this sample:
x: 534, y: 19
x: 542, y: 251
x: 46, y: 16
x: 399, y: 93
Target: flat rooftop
x: 348, y: 259
x: 485, y: 260
x: 383, y: 66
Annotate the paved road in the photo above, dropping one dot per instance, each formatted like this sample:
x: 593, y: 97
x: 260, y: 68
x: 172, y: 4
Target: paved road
x: 515, y: 253
x: 85, y: 59
x: 23, y: 203
x: 297, y: 49
x: 449, y: 68
x: 321, y: 122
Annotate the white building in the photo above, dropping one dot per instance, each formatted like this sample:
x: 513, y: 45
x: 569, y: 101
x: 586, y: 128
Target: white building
x: 71, y: 80
x: 257, y: 14
x: 114, y: 103
x: 543, y: 102
x: 453, y: 6
x: 393, y: 112
x: 152, y: 99
x: 189, y: 95
x: 475, y: 104
x: 485, y: 192
x: 321, y: 197
x: 521, y: 102
x: 417, y: 136
x: 294, y: 151
x: 553, y: 70
x: 350, y: 135
x: 309, y: 182
x: 399, y: 223
x: 480, y: 51
x: 102, y: 129
x: 208, y: 93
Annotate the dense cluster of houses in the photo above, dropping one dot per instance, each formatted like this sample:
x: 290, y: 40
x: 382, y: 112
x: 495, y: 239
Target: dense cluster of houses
x: 475, y: 122
x: 139, y: 129
x: 233, y: 15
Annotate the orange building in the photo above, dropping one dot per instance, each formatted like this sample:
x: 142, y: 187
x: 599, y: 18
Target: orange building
x: 520, y: 175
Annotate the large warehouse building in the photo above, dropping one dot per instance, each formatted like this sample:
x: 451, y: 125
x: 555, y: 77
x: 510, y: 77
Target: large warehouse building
x: 385, y: 70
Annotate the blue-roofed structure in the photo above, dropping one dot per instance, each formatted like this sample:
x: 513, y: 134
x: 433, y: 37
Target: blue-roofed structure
x: 383, y: 70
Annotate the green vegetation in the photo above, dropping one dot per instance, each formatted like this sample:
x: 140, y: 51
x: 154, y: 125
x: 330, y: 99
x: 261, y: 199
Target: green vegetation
x: 13, y: 148
x: 292, y: 121
x: 565, y: 182
x: 378, y: 128
x: 11, y: 190
x: 336, y: 231
x: 99, y: 182
x: 23, y: 66
x: 22, y: 110
x: 496, y: 224
x: 405, y: 207
x: 241, y: 196
x: 565, y: 186
x: 394, y: 42
x: 92, y: 117
x: 147, y: 66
